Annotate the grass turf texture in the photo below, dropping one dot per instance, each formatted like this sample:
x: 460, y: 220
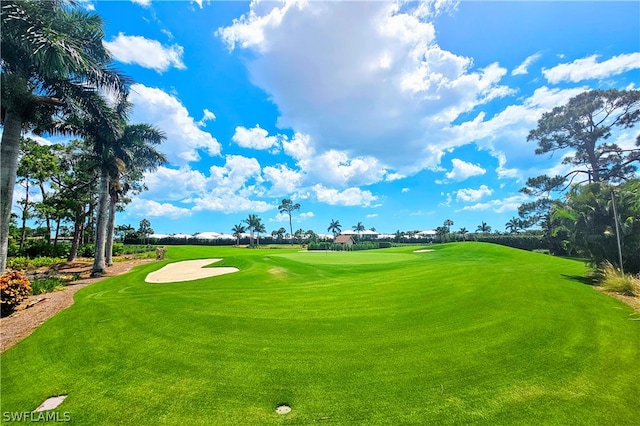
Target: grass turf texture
x: 468, y: 333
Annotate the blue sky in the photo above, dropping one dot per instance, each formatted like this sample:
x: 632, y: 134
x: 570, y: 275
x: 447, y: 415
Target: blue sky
x: 397, y: 115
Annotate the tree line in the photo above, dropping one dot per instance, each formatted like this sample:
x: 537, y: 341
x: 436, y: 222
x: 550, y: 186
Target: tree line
x: 58, y: 78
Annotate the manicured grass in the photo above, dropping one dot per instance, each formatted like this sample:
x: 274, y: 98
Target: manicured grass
x: 468, y: 333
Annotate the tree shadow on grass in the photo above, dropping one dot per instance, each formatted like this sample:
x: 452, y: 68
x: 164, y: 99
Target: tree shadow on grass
x: 579, y: 278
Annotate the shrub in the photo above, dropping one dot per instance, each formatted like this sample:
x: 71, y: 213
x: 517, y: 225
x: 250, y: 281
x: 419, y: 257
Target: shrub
x: 611, y: 279
x: 14, y: 287
x: 86, y: 250
x: 117, y: 249
x: 365, y: 245
x: 47, y: 285
x: 37, y: 248
x: 46, y: 261
x: 19, y: 263
x: 137, y: 248
x: 521, y: 241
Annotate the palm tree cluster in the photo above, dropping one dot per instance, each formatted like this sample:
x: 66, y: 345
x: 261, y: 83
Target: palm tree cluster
x: 58, y: 78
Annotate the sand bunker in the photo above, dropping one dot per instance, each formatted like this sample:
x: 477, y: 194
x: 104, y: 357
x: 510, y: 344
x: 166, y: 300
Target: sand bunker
x: 187, y: 271
x: 422, y: 251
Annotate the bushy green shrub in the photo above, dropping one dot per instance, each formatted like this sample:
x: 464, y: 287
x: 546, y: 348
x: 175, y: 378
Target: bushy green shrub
x: 19, y: 263
x: 86, y: 250
x: 13, y: 249
x: 384, y: 244
x: 14, y: 287
x: 365, y: 245
x: 324, y: 245
x: 22, y: 263
x: 118, y: 249
x: 37, y: 248
x: 47, y: 285
x: 138, y: 248
x: 47, y: 261
x: 522, y: 241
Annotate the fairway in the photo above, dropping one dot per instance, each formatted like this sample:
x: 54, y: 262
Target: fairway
x: 468, y: 333
x: 347, y: 258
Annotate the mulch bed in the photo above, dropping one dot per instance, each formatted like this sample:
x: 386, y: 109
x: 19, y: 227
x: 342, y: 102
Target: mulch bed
x: 38, y: 308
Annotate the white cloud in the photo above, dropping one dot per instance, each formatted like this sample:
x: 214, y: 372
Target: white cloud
x: 371, y: 216
x: 87, y: 5
x: 229, y: 203
x: 524, y: 66
x: 174, y: 184
x: 463, y: 170
x: 146, y: 53
x: 148, y: 208
x: 470, y: 195
x: 377, y: 86
x: 206, y: 116
x: 236, y: 174
x: 143, y: 3
x: 39, y: 139
x: 333, y: 167
x: 256, y: 138
x: 184, y: 138
x: 300, y: 147
x: 507, y: 204
x: 200, y: 2
x: 475, y: 207
x: 336, y: 168
x: 504, y: 135
x: 448, y: 200
x: 589, y: 68
x: 306, y: 215
x: 283, y: 180
x: 348, y: 197
x: 403, y: 190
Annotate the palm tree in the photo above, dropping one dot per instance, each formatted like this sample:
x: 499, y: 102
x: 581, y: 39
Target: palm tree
x: 441, y: 232
x: 514, y: 225
x: 252, y: 222
x: 52, y: 61
x: 119, y: 150
x: 259, y: 229
x: 299, y: 235
x: 237, y: 231
x: 132, y: 155
x: 103, y: 133
x: 359, y: 227
x: 484, y: 228
x: 279, y: 234
x: 334, y: 227
x: 463, y: 231
x: 288, y: 206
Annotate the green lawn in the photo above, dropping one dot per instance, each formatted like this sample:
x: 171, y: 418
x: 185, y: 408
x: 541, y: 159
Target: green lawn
x: 468, y: 333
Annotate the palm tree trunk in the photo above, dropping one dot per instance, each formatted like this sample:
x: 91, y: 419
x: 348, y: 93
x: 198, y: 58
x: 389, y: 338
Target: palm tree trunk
x: 9, y: 167
x: 291, y: 229
x: 99, y: 264
x: 55, y: 238
x: 23, y: 231
x: 47, y: 216
x: 110, y: 228
x: 78, y: 226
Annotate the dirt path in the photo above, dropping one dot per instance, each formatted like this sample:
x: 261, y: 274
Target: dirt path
x: 36, y: 309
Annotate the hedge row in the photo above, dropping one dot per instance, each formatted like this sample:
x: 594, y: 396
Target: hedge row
x: 523, y: 241
x: 364, y: 245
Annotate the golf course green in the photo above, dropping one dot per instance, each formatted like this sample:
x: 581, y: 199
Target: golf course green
x: 467, y: 333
